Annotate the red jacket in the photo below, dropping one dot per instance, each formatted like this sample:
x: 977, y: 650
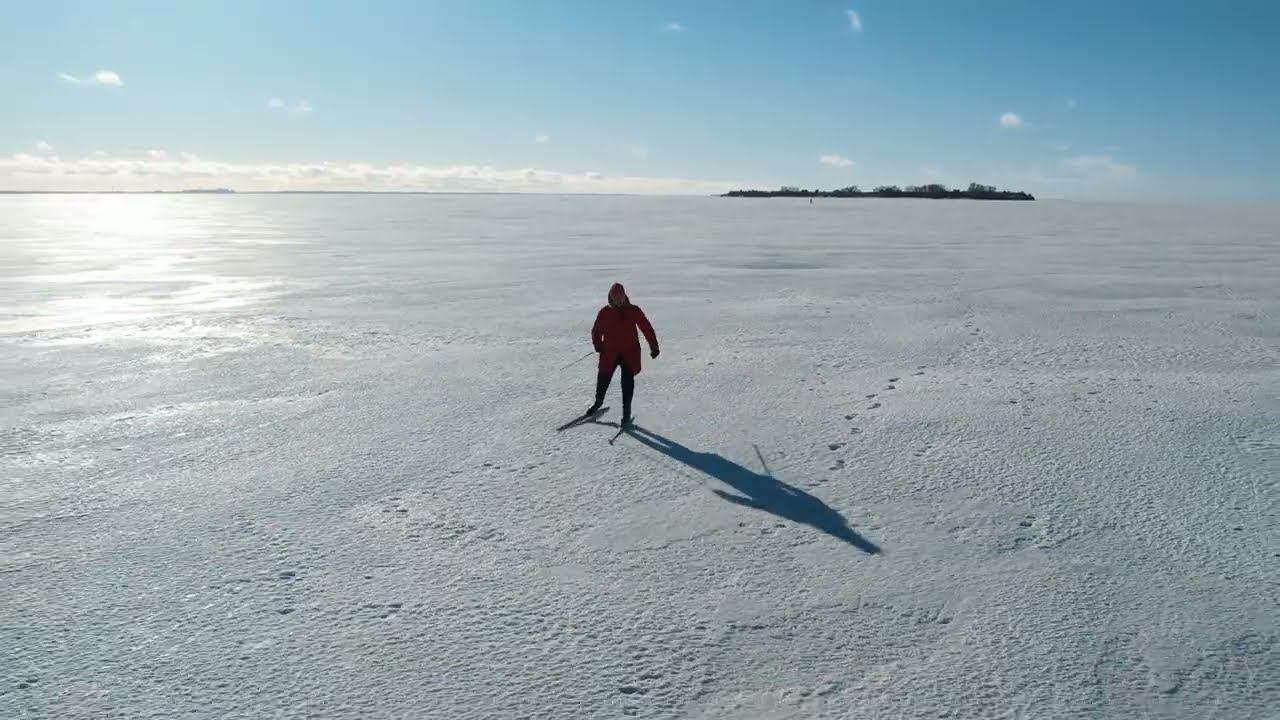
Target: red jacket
x: 614, y: 336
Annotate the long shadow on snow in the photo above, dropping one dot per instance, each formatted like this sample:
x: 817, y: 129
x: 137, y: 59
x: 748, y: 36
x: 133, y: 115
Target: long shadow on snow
x: 760, y: 492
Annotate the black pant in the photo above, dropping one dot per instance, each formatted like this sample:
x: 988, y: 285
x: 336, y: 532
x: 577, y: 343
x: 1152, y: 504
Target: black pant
x: 628, y: 385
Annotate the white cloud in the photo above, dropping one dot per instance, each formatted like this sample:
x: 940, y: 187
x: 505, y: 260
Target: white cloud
x: 542, y: 138
x: 1099, y: 165
x: 157, y: 154
x: 835, y: 160
x: 26, y: 171
x: 855, y: 20
x: 1011, y: 120
x: 43, y: 146
x: 298, y: 106
x: 638, y: 151
x: 101, y: 77
x: 673, y: 27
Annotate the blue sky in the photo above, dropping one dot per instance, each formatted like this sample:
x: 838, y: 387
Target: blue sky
x: 1146, y: 100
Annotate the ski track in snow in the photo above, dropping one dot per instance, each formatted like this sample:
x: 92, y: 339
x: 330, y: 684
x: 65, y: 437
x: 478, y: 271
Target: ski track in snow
x: 295, y: 456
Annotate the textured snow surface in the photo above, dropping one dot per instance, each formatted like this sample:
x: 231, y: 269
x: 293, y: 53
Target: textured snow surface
x: 296, y: 456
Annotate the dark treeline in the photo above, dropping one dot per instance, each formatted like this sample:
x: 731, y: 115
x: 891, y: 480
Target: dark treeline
x: 976, y: 191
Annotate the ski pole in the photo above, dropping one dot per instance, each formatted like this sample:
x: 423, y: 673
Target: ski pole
x: 579, y: 360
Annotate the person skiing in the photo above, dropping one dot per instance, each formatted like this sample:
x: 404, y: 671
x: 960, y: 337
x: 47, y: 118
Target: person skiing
x: 614, y: 337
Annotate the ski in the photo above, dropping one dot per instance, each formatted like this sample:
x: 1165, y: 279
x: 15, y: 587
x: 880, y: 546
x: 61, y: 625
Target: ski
x: 583, y: 419
x: 622, y: 429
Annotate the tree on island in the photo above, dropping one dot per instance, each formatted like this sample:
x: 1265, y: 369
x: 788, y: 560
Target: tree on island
x: 935, y: 191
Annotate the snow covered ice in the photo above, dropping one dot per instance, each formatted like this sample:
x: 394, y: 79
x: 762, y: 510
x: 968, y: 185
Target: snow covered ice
x: 290, y: 456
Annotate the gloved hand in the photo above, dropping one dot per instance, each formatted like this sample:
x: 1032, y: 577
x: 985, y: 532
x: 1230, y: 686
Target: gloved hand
x: 599, y: 348
x: 653, y: 353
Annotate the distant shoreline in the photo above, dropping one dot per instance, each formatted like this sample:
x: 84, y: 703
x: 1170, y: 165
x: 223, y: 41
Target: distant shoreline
x: 927, y: 192
x: 931, y: 192
x: 937, y: 192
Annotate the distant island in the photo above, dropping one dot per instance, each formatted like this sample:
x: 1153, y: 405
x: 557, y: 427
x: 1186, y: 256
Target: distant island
x: 976, y: 191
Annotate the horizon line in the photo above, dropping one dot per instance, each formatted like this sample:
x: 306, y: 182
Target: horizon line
x: 492, y: 193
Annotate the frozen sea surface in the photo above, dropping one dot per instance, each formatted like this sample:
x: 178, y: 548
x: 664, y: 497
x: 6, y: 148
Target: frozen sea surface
x: 288, y: 456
